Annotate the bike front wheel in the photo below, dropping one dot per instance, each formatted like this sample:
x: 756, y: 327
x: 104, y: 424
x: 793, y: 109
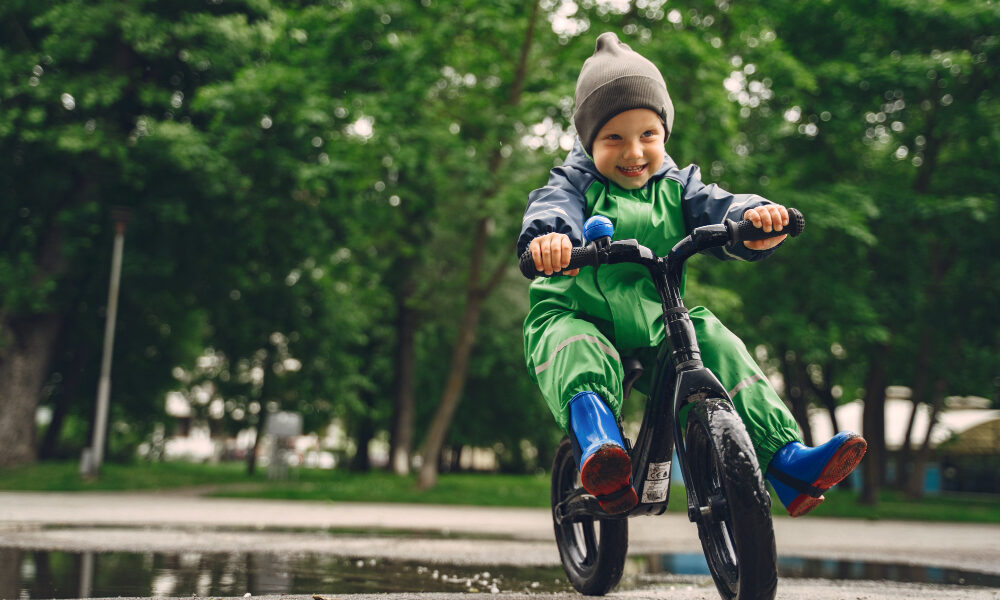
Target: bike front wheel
x: 592, y: 550
x: 734, y: 508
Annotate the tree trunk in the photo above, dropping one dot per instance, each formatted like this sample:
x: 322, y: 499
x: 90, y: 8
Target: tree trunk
x: 474, y: 297
x: 431, y: 452
x: 795, y: 384
x: 60, y: 405
x: 831, y: 410
x: 24, y: 364
x: 66, y: 394
x: 915, y: 481
x: 252, y: 454
x: 27, y: 343
x: 873, y: 426
x: 919, y: 392
x: 939, y: 267
x: 456, y: 459
x: 904, y: 460
x: 364, y: 433
x: 362, y: 461
x: 401, y: 439
x: 824, y: 392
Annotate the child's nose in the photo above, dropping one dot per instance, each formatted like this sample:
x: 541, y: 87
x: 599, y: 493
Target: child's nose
x: 633, y: 149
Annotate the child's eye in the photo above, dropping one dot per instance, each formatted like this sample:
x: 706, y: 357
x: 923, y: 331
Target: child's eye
x: 648, y: 133
x: 614, y: 136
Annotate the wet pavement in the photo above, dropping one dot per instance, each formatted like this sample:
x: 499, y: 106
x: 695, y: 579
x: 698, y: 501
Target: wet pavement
x: 399, y: 547
x: 63, y: 574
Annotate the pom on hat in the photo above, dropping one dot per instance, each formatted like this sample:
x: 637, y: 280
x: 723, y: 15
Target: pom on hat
x: 616, y: 79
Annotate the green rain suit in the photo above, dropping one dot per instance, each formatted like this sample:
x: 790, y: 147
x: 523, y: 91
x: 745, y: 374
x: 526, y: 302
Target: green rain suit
x: 578, y: 328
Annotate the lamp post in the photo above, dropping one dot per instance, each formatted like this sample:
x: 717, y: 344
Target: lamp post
x: 94, y: 456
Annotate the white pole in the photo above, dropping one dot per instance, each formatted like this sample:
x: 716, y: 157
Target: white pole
x: 104, y: 385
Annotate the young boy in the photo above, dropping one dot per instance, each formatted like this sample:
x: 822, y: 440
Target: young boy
x: 580, y: 324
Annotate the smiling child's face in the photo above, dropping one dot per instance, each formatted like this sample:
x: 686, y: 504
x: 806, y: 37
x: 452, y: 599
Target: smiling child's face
x: 629, y: 148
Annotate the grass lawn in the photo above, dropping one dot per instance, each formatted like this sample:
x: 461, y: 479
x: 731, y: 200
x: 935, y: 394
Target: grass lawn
x: 230, y: 480
x: 893, y: 505
x: 65, y: 476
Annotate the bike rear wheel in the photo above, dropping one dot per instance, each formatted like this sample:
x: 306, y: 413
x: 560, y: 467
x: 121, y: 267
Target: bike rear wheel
x: 734, y: 515
x: 592, y: 550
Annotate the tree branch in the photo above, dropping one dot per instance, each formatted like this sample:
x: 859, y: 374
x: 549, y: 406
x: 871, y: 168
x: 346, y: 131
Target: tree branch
x: 522, y: 62
x: 495, y: 277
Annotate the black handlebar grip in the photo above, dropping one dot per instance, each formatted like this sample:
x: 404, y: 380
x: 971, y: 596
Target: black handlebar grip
x: 579, y: 257
x: 744, y: 231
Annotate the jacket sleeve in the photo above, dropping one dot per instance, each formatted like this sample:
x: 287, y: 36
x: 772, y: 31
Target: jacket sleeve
x: 557, y: 207
x: 710, y: 204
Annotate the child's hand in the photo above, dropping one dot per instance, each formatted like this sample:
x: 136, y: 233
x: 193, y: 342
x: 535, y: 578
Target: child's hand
x: 771, y: 217
x: 551, y: 253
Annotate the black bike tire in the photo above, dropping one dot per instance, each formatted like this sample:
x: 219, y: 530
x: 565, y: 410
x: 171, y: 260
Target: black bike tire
x: 740, y: 551
x: 593, y: 561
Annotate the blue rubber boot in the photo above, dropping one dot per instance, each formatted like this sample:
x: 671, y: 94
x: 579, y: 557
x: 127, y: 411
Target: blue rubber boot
x: 800, y: 474
x: 606, y: 470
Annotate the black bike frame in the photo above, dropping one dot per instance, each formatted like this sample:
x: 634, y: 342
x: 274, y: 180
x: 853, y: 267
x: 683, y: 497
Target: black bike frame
x: 680, y: 378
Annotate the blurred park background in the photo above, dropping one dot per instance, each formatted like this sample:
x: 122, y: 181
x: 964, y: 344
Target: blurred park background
x: 319, y: 202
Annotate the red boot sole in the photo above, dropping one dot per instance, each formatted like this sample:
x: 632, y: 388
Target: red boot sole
x: 608, y: 472
x: 840, y: 465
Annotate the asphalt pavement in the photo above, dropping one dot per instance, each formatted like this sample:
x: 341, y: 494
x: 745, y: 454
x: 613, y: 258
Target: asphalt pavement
x: 170, y: 522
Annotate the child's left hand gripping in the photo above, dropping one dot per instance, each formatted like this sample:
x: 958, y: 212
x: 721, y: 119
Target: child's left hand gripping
x: 552, y: 252
x: 771, y: 217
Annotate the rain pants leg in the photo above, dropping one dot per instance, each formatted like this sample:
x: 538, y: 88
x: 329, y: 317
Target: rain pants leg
x: 767, y: 419
x: 567, y: 354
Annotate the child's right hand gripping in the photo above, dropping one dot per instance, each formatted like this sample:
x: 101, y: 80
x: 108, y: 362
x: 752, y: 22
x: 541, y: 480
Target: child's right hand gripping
x: 551, y: 252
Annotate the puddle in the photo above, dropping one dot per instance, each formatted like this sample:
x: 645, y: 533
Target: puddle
x: 818, y: 568
x: 45, y: 574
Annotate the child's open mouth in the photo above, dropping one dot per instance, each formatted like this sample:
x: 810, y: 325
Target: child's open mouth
x: 633, y: 171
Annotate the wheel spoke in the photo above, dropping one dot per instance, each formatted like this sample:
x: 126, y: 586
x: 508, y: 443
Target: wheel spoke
x: 590, y: 540
x: 580, y: 541
x: 728, y: 536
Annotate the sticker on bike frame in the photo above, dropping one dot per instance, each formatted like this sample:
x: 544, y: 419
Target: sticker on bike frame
x: 658, y: 471
x: 655, y: 491
x: 657, y: 482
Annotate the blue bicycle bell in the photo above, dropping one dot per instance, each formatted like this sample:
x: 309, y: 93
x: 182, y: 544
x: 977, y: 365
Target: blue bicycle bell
x: 597, y: 227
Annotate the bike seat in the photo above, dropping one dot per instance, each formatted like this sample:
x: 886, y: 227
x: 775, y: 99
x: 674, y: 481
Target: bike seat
x: 633, y: 370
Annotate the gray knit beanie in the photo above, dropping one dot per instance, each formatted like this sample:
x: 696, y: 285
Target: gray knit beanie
x: 616, y: 79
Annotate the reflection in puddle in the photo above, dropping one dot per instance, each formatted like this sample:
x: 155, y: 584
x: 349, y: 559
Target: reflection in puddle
x: 43, y: 574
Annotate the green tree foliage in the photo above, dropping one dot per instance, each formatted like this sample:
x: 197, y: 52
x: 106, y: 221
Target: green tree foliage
x: 242, y: 233
x: 883, y: 143
x: 83, y: 85
x: 320, y: 192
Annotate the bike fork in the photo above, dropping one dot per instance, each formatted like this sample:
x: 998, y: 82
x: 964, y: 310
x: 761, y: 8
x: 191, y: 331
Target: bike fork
x: 695, y: 385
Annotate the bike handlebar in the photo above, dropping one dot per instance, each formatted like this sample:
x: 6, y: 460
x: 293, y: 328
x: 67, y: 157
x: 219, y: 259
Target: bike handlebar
x: 736, y: 233
x: 579, y: 257
x: 745, y: 231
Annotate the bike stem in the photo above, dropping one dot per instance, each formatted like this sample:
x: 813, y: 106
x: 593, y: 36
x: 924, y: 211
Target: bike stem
x: 667, y: 278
